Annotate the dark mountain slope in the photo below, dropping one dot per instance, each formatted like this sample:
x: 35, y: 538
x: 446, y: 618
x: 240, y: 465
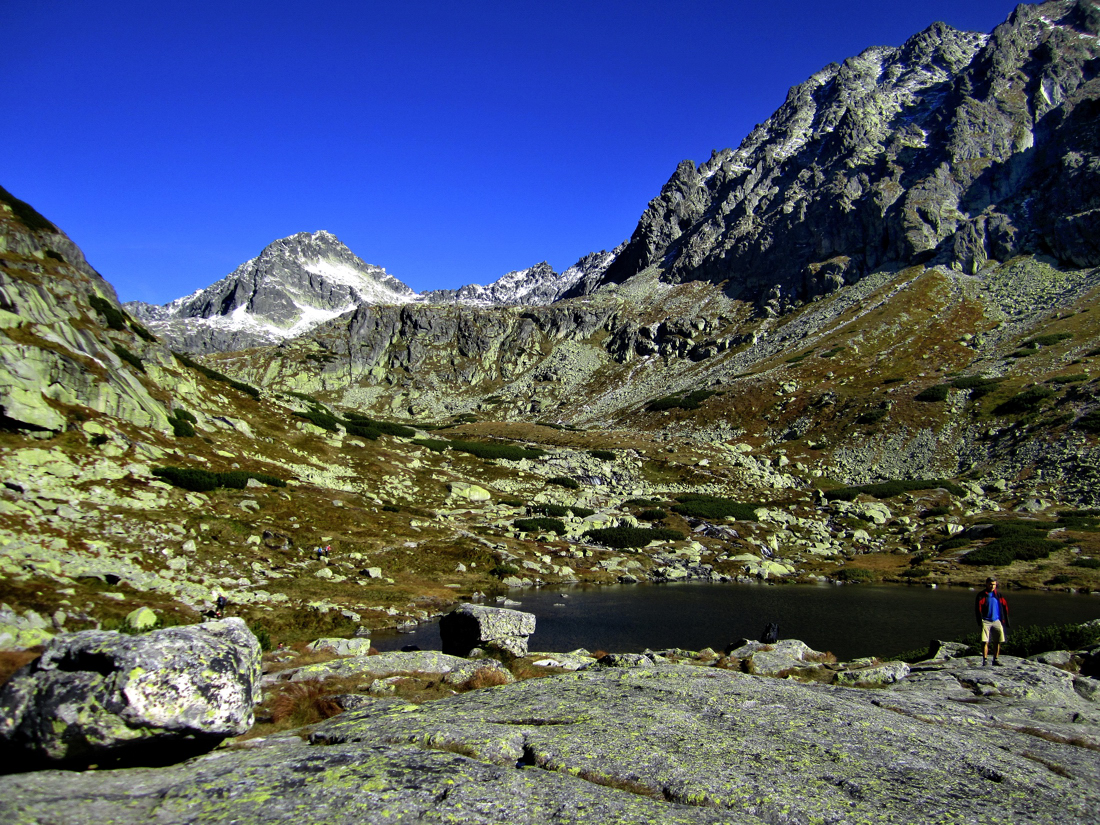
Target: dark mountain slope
x: 954, y: 148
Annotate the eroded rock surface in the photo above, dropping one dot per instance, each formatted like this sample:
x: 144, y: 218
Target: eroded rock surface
x: 657, y: 743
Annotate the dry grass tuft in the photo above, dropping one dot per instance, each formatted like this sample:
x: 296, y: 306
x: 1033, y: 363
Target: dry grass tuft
x: 13, y: 660
x: 486, y: 677
x: 303, y: 703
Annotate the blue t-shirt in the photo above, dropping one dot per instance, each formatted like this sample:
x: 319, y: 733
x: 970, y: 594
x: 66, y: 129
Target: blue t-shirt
x: 993, y: 607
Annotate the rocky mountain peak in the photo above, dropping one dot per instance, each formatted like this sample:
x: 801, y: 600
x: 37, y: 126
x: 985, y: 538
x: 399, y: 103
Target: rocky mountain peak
x: 940, y: 149
x: 295, y: 284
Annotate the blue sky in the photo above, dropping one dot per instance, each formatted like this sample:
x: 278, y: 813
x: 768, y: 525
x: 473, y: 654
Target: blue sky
x: 447, y: 142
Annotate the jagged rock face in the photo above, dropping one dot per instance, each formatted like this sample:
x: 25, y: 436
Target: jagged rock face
x: 957, y: 147
x: 55, y: 350
x: 536, y: 286
x: 295, y: 284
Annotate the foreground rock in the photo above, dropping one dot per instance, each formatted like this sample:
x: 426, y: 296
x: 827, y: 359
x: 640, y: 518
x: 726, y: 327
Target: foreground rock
x: 665, y: 743
x: 473, y: 626
x: 98, y: 694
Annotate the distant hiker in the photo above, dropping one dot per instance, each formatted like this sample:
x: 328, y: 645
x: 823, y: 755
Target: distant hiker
x: 771, y: 633
x: 991, y: 610
x: 319, y: 551
x: 328, y: 551
x: 220, y: 601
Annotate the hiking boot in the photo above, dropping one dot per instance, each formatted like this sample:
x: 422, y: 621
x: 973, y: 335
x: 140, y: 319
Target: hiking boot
x: 996, y: 663
x: 985, y: 662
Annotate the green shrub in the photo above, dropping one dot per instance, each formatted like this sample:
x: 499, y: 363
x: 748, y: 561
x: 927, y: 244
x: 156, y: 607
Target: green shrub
x: 389, y: 508
x: 714, y: 507
x: 652, y: 515
x: 1049, y: 339
x: 1004, y: 551
x: 384, y: 427
x: 511, y: 502
x: 855, y: 574
x: 932, y: 512
x: 936, y: 393
x: 540, y: 525
x: 871, y: 416
x: 1024, y: 641
x: 888, y: 489
x: 802, y: 357
x: 1024, y: 402
x: 1075, y: 378
x: 691, y: 401
x: 1088, y: 563
x: 436, y: 445
x: 489, y: 451
x: 319, y: 418
x: 262, y: 636
x: 1060, y: 579
x: 564, y: 481
x: 1026, y: 352
x: 142, y: 332
x: 1089, y: 421
x: 203, y: 481
x: 641, y: 502
x: 129, y: 357
x: 115, y: 317
x: 197, y: 481
x: 26, y: 213
x: 977, y: 385
x: 623, y: 537
x: 830, y: 353
x: 602, y: 455
x: 582, y: 512
x: 916, y: 573
x: 182, y: 429
x: 214, y: 375
x: 502, y: 570
x: 553, y: 510
x: 1092, y: 353
x: 361, y: 431
x: 99, y: 440
x: 183, y: 415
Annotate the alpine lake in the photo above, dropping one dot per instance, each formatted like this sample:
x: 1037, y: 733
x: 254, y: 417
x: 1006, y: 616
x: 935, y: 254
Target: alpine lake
x: 849, y: 621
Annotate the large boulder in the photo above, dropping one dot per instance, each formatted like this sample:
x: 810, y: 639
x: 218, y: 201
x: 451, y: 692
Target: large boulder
x: 98, y: 695
x: 471, y: 626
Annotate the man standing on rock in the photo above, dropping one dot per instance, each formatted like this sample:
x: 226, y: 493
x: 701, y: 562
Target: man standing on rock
x: 992, y: 612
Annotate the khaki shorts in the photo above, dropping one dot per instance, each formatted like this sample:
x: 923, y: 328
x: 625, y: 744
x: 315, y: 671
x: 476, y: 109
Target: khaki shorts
x: 997, y: 626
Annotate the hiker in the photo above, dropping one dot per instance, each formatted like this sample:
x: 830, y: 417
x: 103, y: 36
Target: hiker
x: 220, y: 601
x: 991, y: 610
x: 320, y: 552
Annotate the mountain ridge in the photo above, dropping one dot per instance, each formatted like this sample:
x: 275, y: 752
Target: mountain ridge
x: 302, y: 281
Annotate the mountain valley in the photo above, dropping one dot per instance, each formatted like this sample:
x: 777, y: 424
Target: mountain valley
x: 860, y: 347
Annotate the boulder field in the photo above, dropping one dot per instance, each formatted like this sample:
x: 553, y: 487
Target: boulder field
x: 645, y: 741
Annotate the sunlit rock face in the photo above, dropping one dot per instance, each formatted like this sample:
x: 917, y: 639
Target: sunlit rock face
x: 956, y: 147
x: 294, y: 285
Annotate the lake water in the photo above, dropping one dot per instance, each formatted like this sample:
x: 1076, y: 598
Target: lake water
x: 850, y: 621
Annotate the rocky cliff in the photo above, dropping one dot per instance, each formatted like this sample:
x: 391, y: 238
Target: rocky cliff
x: 957, y: 148
x: 67, y: 345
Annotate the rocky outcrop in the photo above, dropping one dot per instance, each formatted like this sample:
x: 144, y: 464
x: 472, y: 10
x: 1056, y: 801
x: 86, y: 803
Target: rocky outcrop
x: 95, y: 695
x: 64, y: 343
x: 685, y: 744
x: 472, y: 626
x: 957, y: 147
